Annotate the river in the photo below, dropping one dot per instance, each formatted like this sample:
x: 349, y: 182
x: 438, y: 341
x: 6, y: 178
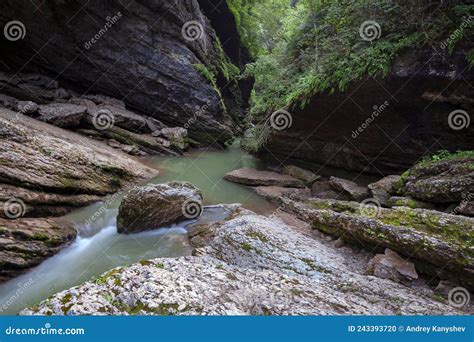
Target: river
x: 99, y: 248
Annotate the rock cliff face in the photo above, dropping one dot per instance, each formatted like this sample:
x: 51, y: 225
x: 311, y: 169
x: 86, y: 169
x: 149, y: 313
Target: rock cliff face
x: 52, y: 170
x: 153, y: 55
x: 385, y: 125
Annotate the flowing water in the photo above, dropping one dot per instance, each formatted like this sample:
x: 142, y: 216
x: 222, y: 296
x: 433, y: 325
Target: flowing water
x: 98, y: 247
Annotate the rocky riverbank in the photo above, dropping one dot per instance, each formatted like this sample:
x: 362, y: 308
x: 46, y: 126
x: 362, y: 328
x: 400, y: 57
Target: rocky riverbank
x: 60, y: 152
x: 311, y: 256
x: 250, y: 265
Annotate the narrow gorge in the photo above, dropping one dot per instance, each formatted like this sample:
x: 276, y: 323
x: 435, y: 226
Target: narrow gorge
x: 190, y: 157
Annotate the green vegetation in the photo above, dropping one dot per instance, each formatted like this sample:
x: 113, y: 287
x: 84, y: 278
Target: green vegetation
x: 306, y: 47
x: 446, y: 155
x: 220, y: 67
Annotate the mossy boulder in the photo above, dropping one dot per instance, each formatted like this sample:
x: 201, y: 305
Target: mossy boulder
x: 158, y: 205
x: 396, y: 201
x: 382, y: 189
x: 443, y: 240
x: 448, y: 180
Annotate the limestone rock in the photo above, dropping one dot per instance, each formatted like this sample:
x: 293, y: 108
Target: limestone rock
x: 26, y: 242
x: 379, y: 149
x: 465, y: 208
x: 397, y: 201
x: 442, y: 240
x: 349, y: 188
x: 444, y: 181
x: 39, y: 156
x: 253, y: 177
x: 42, y: 204
x: 383, y: 189
x: 26, y: 107
x: 61, y: 114
x: 306, y: 176
x: 322, y: 189
x: 157, y: 205
x: 8, y: 101
x: 177, y: 136
x: 391, y: 266
x: 275, y: 193
x: 157, y: 77
x: 253, y: 265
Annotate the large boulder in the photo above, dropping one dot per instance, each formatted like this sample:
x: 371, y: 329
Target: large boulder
x: 114, y: 113
x: 382, y: 189
x: 62, y: 114
x: 177, y: 136
x: 391, y: 266
x: 26, y: 242
x: 435, y: 239
x: 253, y: 265
x: 157, y: 205
x: 351, y: 189
x: 448, y: 180
x: 253, y: 177
x: 322, y: 189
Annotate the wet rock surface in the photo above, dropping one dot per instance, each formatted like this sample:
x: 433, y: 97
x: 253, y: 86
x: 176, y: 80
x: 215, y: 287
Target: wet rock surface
x: 46, y: 163
x: 158, y: 205
x: 253, y: 177
x: 391, y: 266
x: 26, y: 242
x: 306, y: 176
x: 252, y: 266
x: 444, y: 181
x: 442, y: 240
x: 349, y: 188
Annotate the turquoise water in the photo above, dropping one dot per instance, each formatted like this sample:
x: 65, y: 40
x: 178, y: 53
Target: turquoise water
x: 99, y: 248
